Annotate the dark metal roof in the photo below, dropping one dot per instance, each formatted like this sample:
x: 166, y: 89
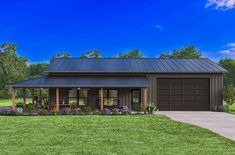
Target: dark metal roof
x: 135, y: 65
x: 84, y: 81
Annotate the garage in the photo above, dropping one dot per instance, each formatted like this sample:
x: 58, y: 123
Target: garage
x: 183, y: 94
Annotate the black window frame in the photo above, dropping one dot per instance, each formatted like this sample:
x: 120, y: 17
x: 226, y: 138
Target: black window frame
x: 108, y: 97
x: 132, y: 97
x: 78, y: 96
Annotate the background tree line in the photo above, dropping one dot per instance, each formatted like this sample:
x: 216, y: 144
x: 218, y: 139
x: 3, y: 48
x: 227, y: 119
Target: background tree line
x: 15, y: 68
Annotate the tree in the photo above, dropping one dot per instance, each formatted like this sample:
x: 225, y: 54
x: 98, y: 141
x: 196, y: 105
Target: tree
x: 91, y: 54
x: 135, y: 53
x: 229, y: 64
x: 188, y: 51
x: 36, y: 70
x: 229, y: 94
x: 60, y: 55
x: 12, y: 67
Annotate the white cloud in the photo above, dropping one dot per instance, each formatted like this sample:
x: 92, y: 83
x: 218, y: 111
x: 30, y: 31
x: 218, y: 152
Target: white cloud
x: 221, y: 4
x: 159, y: 27
x: 230, y: 51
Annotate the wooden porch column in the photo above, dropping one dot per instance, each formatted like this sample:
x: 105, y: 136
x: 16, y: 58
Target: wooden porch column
x: 145, y: 100
x: 24, y: 100
x: 101, y: 99
x: 57, y: 99
x: 13, y: 98
x: 32, y: 96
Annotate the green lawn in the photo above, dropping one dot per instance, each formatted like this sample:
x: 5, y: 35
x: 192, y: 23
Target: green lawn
x: 150, y: 134
x: 232, y: 108
x: 6, y: 102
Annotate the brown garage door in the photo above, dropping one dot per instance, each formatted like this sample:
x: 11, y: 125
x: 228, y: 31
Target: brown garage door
x: 183, y: 94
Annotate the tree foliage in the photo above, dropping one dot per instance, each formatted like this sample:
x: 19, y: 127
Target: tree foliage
x: 188, y: 51
x: 229, y: 94
x: 60, y: 55
x: 91, y: 54
x: 135, y: 53
x: 37, y: 69
x: 12, y: 67
x: 229, y: 64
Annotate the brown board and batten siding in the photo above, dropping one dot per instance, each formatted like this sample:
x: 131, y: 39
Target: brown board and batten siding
x: 216, y: 86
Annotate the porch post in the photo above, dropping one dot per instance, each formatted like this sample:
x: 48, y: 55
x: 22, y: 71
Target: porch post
x: 24, y: 100
x: 101, y: 99
x: 13, y: 98
x: 145, y: 100
x: 32, y: 96
x: 57, y: 99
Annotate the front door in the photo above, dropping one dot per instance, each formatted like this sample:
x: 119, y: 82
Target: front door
x: 136, y: 99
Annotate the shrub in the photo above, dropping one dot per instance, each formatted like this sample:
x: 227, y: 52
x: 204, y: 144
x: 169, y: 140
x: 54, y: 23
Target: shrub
x: 224, y: 108
x: 43, y: 112
x: 151, y: 108
x: 136, y: 107
x: 115, y: 111
x: 96, y: 112
x: 30, y: 108
x: 19, y: 109
x: 125, y: 110
x: 76, y: 111
x: 19, y: 104
x: 106, y: 111
x: 229, y: 94
x: 8, y: 111
x: 65, y: 111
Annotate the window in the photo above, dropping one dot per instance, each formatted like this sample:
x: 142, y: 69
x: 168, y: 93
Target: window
x: 78, y: 96
x: 73, y: 96
x: 110, y: 97
x: 136, y: 96
x: 82, y: 97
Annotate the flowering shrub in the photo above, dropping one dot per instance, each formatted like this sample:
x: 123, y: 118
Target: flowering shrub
x: 8, y: 111
x: 125, y: 110
x: 151, y: 108
x: 19, y: 110
x: 65, y: 111
x: 106, y: 111
x: 116, y: 111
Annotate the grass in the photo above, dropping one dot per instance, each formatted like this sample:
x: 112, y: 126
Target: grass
x: 232, y: 108
x: 6, y: 102
x: 150, y: 134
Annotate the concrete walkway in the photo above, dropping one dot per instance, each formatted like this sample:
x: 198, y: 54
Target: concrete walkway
x: 219, y: 122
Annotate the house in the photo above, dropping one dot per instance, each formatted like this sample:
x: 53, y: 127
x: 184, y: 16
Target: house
x: 171, y: 84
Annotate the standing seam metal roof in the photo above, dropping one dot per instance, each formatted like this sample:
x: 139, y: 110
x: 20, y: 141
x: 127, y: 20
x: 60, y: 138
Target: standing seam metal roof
x: 134, y: 65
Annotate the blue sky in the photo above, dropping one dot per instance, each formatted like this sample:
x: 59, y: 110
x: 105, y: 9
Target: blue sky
x: 43, y: 28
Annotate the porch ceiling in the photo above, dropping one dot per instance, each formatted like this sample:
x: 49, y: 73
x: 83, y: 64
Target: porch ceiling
x: 83, y: 81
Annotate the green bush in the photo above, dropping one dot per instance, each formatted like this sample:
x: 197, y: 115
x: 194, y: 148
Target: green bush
x: 229, y: 94
x: 224, y: 108
x: 151, y: 108
x: 19, y: 104
x: 136, y: 107
x: 43, y: 112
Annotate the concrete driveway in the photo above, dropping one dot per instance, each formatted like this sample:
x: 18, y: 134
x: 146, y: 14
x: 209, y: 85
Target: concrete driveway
x: 219, y: 122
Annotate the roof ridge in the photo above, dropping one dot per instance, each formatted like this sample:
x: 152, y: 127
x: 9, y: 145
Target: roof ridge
x: 132, y: 58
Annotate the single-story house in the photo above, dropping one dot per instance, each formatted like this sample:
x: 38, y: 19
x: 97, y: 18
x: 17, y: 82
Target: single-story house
x: 171, y: 84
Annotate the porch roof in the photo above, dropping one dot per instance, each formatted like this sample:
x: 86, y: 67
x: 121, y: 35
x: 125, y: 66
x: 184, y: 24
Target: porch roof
x: 83, y: 81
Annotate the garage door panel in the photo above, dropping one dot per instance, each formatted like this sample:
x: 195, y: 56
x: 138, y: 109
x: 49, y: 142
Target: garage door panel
x: 183, y: 94
x: 164, y: 91
x: 176, y: 97
x: 176, y: 92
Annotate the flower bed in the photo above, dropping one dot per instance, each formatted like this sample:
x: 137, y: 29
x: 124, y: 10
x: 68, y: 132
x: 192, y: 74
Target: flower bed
x: 30, y: 111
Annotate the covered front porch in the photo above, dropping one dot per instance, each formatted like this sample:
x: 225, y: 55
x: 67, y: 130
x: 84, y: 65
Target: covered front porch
x: 93, y: 93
